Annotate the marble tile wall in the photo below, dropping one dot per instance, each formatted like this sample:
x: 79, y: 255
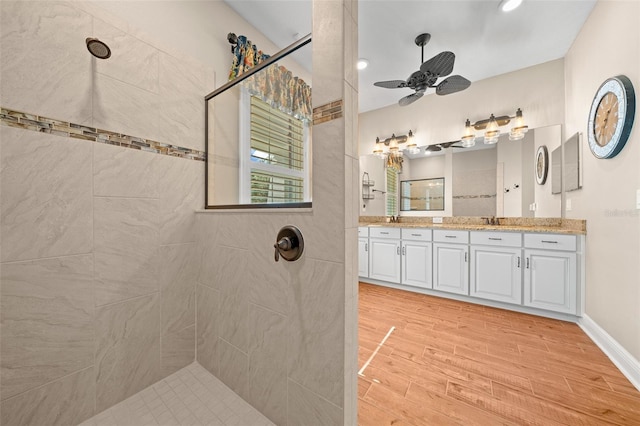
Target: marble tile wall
x: 283, y: 334
x: 98, y: 265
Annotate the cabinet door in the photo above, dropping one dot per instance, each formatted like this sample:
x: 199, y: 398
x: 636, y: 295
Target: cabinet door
x: 451, y: 268
x: 416, y: 264
x: 496, y: 274
x: 550, y: 280
x: 363, y: 257
x: 384, y: 260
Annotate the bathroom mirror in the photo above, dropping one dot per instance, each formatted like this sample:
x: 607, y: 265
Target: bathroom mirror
x: 485, y: 180
x: 259, y: 138
x: 422, y: 195
x: 571, y: 163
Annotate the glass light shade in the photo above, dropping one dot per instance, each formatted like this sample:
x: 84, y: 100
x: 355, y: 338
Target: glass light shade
x: 413, y: 148
x: 393, y: 144
x: 515, y: 134
x: 468, y: 141
x: 379, y: 148
x: 469, y: 137
x: 519, y: 128
x: 492, y: 133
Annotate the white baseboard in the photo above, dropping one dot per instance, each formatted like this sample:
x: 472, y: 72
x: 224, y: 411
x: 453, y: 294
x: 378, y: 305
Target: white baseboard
x: 626, y: 363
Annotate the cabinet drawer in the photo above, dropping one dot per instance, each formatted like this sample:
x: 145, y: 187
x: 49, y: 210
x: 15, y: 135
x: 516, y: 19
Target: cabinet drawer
x: 363, y: 231
x: 550, y: 242
x: 504, y: 239
x: 416, y: 234
x: 444, y: 236
x: 384, y: 233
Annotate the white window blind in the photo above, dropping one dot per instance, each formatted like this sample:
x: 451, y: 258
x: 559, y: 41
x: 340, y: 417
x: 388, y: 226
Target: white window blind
x: 392, y: 192
x: 269, y: 187
x: 276, y: 137
x: 277, y: 155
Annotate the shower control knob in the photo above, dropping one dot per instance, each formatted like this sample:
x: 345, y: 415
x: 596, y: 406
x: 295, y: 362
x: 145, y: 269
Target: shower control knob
x: 289, y: 244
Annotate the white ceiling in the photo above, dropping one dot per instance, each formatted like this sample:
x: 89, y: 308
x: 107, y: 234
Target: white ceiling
x: 486, y: 41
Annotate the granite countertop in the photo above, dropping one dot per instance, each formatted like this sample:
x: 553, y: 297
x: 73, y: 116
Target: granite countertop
x: 553, y: 226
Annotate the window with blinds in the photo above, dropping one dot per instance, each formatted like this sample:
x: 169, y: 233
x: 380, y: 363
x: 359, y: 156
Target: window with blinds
x: 272, y: 188
x: 392, y: 192
x: 277, y: 155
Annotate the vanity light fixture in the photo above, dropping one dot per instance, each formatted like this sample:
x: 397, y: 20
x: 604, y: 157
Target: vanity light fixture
x: 469, y: 138
x: 491, y: 127
x: 392, y: 145
x: 390, y: 149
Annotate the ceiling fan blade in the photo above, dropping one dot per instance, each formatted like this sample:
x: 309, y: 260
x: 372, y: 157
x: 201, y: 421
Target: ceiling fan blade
x: 410, y: 99
x: 453, y: 84
x: 440, y: 65
x: 433, y: 148
x: 391, y: 84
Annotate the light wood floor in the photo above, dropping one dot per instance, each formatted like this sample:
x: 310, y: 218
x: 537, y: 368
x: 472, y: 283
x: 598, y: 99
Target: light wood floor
x: 449, y: 363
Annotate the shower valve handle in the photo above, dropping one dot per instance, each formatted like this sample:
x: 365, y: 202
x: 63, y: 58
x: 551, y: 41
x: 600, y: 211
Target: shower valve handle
x: 284, y: 244
x: 289, y: 244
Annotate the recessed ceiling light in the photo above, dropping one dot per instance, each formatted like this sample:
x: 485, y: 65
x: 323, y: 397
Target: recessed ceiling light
x: 509, y: 5
x: 362, y: 63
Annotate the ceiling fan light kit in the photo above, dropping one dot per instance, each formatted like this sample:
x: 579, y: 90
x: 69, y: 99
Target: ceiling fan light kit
x: 427, y: 76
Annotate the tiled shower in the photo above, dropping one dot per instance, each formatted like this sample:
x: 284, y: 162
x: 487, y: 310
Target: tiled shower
x: 110, y: 279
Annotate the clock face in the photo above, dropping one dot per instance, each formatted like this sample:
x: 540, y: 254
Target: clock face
x: 611, y: 117
x: 606, y: 121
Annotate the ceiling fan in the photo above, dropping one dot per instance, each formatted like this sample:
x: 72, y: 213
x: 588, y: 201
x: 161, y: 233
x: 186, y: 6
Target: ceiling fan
x: 439, y: 146
x: 440, y: 65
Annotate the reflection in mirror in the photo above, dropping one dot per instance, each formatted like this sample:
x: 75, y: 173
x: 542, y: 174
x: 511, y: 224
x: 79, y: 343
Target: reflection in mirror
x: 572, y: 163
x: 486, y: 180
x: 556, y: 171
x: 474, y: 181
x: 422, y: 195
x: 259, y: 135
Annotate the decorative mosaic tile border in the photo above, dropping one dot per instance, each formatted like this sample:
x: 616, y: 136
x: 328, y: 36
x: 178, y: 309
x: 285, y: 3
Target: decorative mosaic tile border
x: 37, y: 123
x: 469, y: 197
x: 327, y: 112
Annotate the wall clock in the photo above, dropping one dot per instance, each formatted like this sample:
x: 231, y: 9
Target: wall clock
x: 542, y: 164
x: 611, y: 117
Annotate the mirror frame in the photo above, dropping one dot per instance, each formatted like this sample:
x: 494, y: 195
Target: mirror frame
x: 421, y: 180
x: 272, y: 59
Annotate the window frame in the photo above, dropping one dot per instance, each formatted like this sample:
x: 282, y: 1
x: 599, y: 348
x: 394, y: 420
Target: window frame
x: 246, y: 165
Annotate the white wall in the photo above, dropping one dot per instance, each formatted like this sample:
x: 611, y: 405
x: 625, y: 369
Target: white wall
x: 608, y: 45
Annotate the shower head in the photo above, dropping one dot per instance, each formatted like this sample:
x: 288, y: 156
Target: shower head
x: 98, y: 48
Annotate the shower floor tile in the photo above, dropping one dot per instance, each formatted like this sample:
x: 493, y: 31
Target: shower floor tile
x: 190, y: 396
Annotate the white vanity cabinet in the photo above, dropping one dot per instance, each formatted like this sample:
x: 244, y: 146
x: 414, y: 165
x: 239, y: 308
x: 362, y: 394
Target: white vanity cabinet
x: 384, y: 254
x: 416, y: 256
x: 363, y: 251
x: 451, y: 261
x: 550, y: 272
x: 496, y: 266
